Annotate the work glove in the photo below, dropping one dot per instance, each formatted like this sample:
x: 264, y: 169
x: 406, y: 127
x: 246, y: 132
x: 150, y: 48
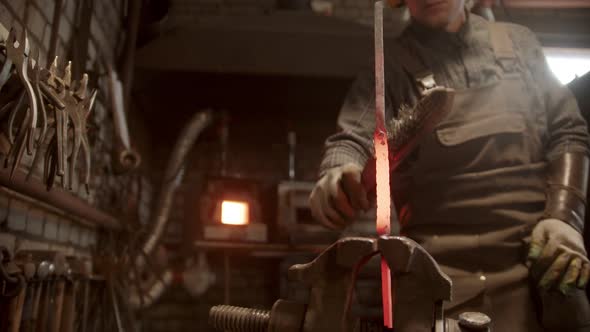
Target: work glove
x: 557, y: 255
x: 338, y: 196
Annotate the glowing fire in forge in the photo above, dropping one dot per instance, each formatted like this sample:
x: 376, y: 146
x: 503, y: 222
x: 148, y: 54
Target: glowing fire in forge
x: 235, y: 213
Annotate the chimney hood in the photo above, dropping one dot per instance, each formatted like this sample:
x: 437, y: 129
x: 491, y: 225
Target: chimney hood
x: 286, y: 44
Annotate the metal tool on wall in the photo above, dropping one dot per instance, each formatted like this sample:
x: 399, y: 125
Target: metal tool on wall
x: 45, y: 291
x: 43, y: 270
x: 17, y: 51
x: 12, y: 292
x: 21, y: 127
x: 72, y: 104
x: 29, y: 270
x: 48, y: 117
x: 125, y: 158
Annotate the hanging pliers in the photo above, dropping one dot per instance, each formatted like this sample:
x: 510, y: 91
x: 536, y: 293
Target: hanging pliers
x: 78, y: 107
x: 19, y: 55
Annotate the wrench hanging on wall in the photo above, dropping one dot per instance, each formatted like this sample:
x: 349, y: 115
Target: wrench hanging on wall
x: 125, y: 158
x: 46, y: 111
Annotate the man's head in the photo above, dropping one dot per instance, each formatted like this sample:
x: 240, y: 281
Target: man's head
x: 438, y: 14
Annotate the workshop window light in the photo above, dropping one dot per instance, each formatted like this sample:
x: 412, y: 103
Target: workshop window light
x: 235, y: 213
x: 568, y: 63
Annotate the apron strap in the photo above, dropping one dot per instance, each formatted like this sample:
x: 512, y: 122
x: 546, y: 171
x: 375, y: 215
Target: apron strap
x: 501, y: 42
x: 504, y: 48
x: 422, y: 75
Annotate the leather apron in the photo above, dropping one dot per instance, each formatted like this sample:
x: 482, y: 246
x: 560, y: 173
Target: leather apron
x: 475, y: 189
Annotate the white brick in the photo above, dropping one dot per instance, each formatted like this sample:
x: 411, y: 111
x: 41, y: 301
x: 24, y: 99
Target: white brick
x: 25, y: 244
x: 46, y: 42
x: 8, y: 240
x: 99, y: 36
x: 93, y: 239
x: 4, y: 205
x: 92, y: 197
x: 46, y: 8
x: 60, y: 247
x: 51, y: 227
x: 60, y: 51
x: 36, y: 23
x: 84, y: 237
x: 91, y: 51
x: 18, y: 6
x: 75, y: 235
x: 81, y: 192
x: 70, y: 9
x: 6, y: 17
x: 35, y: 220
x: 17, y: 216
x: 65, y: 31
x: 63, y: 231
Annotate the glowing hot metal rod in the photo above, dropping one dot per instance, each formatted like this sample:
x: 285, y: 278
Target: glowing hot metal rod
x: 382, y: 163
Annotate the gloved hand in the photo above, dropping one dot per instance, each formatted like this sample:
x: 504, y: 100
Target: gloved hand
x: 338, y: 196
x: 557, y: 251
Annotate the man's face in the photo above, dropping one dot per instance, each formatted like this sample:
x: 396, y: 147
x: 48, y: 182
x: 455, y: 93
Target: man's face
x: 435, y: 13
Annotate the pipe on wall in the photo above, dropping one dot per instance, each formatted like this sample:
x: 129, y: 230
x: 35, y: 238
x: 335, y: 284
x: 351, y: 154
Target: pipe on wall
x: 173, y: 176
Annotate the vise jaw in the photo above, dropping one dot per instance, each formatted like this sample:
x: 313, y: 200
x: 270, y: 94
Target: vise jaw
x: 420, y: 288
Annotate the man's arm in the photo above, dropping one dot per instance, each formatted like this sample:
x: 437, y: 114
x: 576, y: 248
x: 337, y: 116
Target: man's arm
x: 568, y: 141
x: 557, y: 247
x: 339, y: 194
x: 356, y: 122
x: 353, y: 143
x: 566, y: 127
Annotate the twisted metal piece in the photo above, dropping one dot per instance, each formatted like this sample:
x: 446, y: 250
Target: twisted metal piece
x: 407, y: 130
x: 411, y: 121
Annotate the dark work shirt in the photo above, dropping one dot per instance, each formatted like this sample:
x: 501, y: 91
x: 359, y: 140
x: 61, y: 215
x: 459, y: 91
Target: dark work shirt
x: 460, y: 60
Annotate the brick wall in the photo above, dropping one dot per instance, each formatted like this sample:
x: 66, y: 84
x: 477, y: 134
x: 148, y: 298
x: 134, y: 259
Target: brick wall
x: 37, y: 16
x: 29, y: 225
x: 26, y: 223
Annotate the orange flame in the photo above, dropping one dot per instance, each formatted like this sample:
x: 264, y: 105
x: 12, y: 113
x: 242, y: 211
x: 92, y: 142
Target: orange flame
x: 235, y: 213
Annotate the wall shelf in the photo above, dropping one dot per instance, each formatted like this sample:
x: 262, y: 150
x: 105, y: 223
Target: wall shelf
x: 259, y: 249
x: 57, y: 198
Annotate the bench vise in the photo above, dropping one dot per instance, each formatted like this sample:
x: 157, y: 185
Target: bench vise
x: 420, y: 290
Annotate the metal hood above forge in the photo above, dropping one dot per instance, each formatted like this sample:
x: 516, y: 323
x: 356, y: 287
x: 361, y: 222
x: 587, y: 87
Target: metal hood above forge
x: 290, y: 44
